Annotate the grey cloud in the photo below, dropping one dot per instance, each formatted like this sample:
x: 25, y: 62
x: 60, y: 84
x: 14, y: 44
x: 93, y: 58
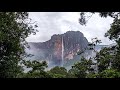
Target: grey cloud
x: 48, y: 25
x: 59, y: 22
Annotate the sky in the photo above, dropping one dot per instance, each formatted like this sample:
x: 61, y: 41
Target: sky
x: 50, y: 23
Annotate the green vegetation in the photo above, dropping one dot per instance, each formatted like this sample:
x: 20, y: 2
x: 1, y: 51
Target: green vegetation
x: 58, y: 72
x: 13, y: 31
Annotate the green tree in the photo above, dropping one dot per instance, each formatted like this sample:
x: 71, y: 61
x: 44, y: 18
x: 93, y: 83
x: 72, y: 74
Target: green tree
x: 71, y: 73
x: 109, y: 73
x: 58, y: 72
x: 114, y: 34
x: 108, y: 59
x: 82, y: 68
x: 14, y: 28
x: 104, y: 59
x: 37, y: 69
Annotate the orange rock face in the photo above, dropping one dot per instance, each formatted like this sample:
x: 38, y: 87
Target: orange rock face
x: 58, y: 47
x: 73, y: 42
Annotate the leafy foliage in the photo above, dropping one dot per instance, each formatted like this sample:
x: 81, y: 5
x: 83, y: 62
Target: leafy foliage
x: 13, y: 31
x: 37, y: 69
x: 109, y: 73
x: 14, y: 28
x: 81, y: 68
x: 58, y: 72
x: 108, y: 59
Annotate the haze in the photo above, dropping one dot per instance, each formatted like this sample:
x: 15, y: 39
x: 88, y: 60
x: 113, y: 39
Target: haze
x: 50, y: 23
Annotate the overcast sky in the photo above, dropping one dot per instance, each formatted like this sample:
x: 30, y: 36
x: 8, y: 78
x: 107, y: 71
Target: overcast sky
x: 50, y: 23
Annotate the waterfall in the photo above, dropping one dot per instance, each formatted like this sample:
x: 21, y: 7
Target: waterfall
x: 62, y: 52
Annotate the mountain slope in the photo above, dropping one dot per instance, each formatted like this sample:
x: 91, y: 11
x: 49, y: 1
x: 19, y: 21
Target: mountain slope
x: 51, y: 50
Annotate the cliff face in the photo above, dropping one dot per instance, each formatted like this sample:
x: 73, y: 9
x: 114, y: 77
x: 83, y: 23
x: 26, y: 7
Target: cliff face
x: 70, y: 43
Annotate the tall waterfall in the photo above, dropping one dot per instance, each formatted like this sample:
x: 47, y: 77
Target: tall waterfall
x: 62, y: 52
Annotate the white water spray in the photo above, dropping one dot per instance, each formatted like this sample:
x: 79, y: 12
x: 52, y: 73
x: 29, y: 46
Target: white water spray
x: 62, y: 52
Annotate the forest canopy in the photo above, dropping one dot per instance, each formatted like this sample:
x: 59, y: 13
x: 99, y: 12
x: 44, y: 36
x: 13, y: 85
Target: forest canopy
x: 14, y: 29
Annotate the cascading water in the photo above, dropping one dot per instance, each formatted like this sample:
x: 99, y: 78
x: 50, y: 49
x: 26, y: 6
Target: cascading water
x: 62, y: 52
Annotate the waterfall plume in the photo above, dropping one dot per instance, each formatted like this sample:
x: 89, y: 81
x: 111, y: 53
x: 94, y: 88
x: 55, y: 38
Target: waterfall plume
x: 62, y: 52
